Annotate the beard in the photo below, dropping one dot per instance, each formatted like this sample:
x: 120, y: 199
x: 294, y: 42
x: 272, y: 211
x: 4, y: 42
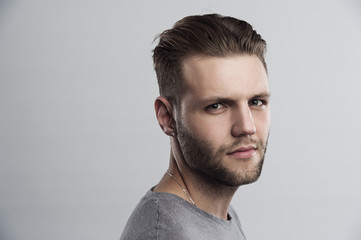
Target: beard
x: 207, y: 162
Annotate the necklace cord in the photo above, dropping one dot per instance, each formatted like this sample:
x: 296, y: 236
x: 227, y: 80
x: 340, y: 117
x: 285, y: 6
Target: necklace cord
x: 186, y: 193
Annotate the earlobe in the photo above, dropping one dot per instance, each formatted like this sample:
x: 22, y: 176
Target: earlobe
x: 163, y: 111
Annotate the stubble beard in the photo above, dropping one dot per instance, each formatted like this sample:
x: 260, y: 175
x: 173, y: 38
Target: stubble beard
x: 204, y: 161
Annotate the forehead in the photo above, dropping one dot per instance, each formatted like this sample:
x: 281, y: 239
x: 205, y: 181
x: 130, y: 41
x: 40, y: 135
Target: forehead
x: 238, y: 76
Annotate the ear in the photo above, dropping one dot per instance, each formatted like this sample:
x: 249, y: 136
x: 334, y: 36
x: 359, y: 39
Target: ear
x: 163, y: 112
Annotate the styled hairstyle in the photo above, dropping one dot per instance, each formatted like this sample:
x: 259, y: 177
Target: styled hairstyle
x: 208, y: 35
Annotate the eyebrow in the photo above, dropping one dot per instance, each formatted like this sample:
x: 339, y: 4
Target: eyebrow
x: 226, y: 99
x: 262, y: 95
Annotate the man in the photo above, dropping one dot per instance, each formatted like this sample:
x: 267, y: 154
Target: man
x: 214, y: 106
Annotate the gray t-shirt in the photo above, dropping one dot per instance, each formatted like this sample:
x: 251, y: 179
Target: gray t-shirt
x: 165, y: 216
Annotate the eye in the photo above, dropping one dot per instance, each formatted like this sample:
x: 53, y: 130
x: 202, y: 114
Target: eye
x: 256, y: 102
x: 214, y: 106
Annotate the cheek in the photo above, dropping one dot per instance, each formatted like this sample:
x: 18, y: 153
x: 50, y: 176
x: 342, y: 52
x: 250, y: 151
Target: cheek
x: 263, y: 125
x: 213, y: 130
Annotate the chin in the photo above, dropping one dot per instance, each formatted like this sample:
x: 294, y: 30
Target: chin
x: 241, y: 176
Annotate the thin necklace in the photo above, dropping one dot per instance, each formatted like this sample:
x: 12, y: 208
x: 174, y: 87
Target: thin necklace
x: 186, y: 193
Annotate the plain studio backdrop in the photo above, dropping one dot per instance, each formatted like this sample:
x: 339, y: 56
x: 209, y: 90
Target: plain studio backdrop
x: 79, y: 141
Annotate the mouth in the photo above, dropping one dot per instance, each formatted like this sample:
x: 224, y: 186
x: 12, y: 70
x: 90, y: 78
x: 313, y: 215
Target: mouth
x: 244, y: 152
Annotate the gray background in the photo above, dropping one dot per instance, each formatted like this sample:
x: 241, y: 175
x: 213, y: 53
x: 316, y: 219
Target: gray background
x: 80, y: 145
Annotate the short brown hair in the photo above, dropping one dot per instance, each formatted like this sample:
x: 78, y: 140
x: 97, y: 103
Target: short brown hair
x: 209, y: 35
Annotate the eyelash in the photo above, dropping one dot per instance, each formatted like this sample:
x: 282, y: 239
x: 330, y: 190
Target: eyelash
x: 217, y: 106
x: 262, y: 102
x: 210, y: 107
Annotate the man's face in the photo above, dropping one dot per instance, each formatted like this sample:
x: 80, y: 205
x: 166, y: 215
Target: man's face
x: 224, y: 117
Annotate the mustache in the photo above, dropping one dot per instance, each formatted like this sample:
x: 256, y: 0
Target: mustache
x: 241, y: 142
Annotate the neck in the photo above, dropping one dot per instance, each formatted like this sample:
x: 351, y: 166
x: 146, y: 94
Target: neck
x: 206, y: 193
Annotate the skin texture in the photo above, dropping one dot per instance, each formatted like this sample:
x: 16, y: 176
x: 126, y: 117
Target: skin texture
x: 221, y: 129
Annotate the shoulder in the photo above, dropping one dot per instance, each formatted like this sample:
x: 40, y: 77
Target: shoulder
x: 155, y: 217
x: 142, y: 222
x: 163, y: 216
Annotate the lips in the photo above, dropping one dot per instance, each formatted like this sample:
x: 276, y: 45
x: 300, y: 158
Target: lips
x: 243, y: 152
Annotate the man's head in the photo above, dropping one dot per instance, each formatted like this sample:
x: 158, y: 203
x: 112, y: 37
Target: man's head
x: 209, y: 35
x: 214, y: 95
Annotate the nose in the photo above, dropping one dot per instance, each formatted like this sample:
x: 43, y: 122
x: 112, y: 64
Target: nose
x: 243, y: 122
